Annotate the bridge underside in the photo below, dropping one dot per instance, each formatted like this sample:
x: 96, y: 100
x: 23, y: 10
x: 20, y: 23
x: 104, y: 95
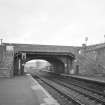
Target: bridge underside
x: 62, y: 63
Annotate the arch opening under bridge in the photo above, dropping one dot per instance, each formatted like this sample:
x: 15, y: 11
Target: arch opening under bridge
x: 61, y: 63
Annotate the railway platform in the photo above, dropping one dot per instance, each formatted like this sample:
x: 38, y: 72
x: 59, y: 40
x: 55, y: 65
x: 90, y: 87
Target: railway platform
x: 99, y: 79
x: 24, y: 90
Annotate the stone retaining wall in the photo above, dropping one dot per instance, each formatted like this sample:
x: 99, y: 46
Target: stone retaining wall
x: 6, y: 68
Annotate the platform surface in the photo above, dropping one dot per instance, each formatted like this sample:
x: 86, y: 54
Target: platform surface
x: 100, y: 79
x: 97, y: 78
x: 24, y: 90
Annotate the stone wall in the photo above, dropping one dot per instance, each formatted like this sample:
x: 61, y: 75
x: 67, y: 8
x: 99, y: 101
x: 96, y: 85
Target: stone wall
x: 2, y: 50
x: 6, y: 68
x: 98, y: 55
x: 96, y: 58
x: 90, y: 61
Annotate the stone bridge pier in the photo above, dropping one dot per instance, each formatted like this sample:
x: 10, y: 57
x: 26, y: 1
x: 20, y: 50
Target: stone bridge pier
x: 67, y: 62
x: 18, y: 65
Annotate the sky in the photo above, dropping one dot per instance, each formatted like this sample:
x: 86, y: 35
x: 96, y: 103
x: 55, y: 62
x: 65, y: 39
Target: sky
x: 52, y: 22
x: 37, y: 63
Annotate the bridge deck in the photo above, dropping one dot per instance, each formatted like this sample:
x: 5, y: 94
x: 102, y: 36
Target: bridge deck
x: 43, y: 48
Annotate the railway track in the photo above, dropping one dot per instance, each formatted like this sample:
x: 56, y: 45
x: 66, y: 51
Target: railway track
x: 89, y: 85
x: 95, y: 89
x: 74, y: 94
x: 84, y: 91
x: 58, y: 89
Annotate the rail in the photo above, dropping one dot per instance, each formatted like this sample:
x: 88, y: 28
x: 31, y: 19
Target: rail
x: 78, y: 95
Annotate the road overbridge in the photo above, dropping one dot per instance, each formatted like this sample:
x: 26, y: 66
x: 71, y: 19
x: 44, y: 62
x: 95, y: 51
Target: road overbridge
x: 60, y: 56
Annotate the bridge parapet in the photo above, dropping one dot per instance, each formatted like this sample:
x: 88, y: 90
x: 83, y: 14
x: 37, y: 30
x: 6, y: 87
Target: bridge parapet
x: 43, y: 48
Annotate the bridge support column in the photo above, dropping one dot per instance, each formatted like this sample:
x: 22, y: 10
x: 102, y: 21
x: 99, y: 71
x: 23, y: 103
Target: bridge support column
x: 19, y: 66
x: 22, y: 69
x: 68, y: 65
x: 66, y: 68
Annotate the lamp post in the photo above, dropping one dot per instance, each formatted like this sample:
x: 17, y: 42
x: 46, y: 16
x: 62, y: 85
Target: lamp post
x: 86, y: 39
x: 104, y: 38
x: 1, y: 41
